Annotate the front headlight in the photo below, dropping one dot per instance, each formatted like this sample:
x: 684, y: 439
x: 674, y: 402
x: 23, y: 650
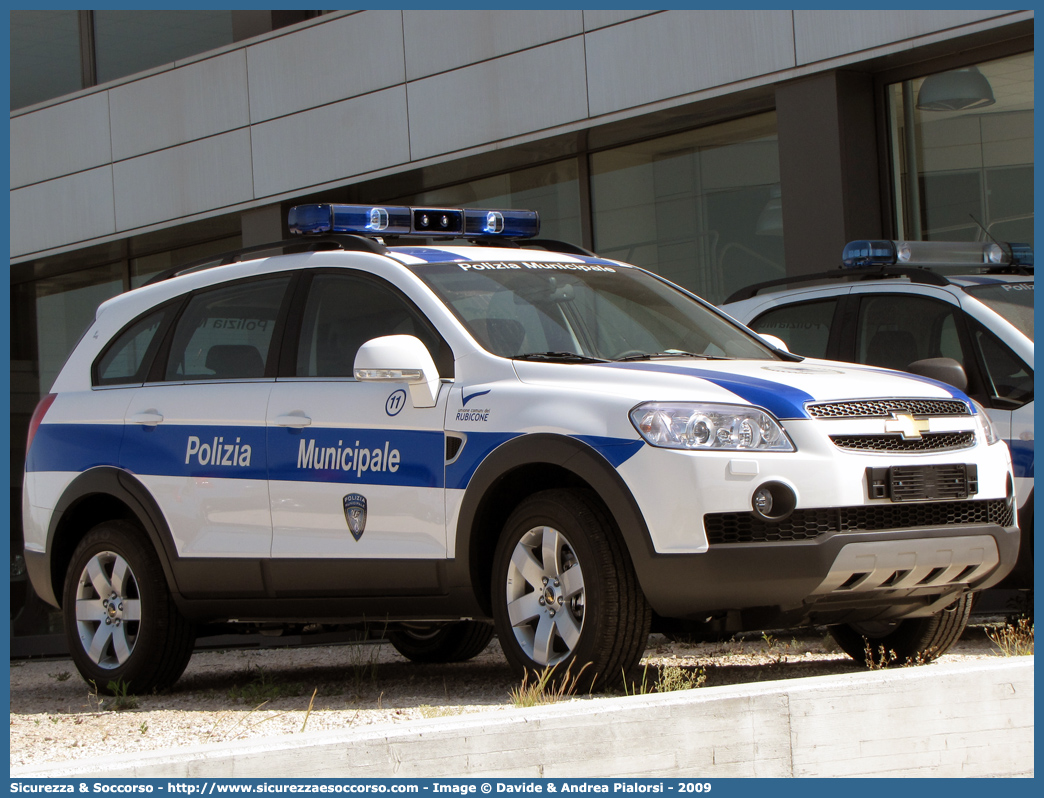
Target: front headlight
x: 987, y: 426
x: 684, y: 425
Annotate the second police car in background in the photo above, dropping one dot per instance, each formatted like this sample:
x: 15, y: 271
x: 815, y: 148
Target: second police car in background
x: 436, y: 439
x: 960, y: 311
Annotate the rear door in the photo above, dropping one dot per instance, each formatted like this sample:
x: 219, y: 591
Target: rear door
x: 195, y: 433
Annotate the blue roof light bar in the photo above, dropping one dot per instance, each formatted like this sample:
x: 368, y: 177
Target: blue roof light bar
x: 862, y: 254
x: 387, y: 220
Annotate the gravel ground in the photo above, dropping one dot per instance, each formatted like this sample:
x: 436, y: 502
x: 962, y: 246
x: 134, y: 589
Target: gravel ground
x: 245, y: 693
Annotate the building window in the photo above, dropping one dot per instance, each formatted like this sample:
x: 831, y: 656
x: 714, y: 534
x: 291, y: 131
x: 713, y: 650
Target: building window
x: 967, y: 136
x: 701, y: 208
x: 45, y: 56
x: 60, y: 52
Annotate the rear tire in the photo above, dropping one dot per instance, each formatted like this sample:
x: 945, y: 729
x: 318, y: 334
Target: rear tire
x: 450, y: 642
x: 121, y: 623
x: 911, y: 641
x: 565, y: 594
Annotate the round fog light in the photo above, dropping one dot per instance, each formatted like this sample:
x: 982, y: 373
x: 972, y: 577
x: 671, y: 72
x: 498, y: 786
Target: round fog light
x: 773, y: 501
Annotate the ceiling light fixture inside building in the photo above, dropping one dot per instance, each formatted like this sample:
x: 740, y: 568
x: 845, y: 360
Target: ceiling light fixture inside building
x: 957, y: 90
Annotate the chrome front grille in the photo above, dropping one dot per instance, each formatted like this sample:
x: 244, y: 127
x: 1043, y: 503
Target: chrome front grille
x: 883, y: 408
x: 928, y: 442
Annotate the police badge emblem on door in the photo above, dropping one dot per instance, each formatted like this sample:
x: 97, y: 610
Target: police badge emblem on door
x: 355, y: 514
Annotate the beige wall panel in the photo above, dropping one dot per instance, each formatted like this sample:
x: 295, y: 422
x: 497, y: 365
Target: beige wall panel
x: 680, y: 52
x: 331, y: 143
x: 63, y: 211
x: 194, y: 178
x: 437, y: 41
x: 174, y: 107
x: 326, y: 63
x: 510, y: 96
x: 60, y: 140
x: 824, y: 34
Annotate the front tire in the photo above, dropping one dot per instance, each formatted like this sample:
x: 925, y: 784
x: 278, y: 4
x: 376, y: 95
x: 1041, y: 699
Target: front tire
x: 911, y: 641
x: 450, y: 642
x: 565, y: 595
x: 121, y: 624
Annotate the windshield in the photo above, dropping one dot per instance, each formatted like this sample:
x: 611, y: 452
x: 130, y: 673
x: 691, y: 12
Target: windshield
x: 1013, y: 301
x: 573, y: 311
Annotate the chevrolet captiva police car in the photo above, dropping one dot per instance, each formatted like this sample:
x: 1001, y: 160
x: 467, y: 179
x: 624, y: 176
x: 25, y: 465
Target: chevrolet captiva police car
x: 440, y: 440
x: 964, y: 309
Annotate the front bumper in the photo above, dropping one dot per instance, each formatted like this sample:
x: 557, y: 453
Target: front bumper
x: 841, y: 577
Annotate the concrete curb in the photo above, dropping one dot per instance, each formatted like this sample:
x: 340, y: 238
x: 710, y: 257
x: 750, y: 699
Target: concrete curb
x: 962, y: 719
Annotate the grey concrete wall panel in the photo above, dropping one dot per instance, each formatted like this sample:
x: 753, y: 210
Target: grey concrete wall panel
x: 331, y: 143
x: 603, y: 18
x: 437, y: 41
x: 327, y: 63
x: 63, y: 211
x: 181, y: 181
x: 943, y: 721
x: 681, y: 52
x: 495, y: 100
x: 59, y: 140
x: 822, y: 34
x: 199, y: 100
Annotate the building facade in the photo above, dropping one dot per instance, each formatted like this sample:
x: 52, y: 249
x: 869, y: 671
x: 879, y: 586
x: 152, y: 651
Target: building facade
x: 716, y: 148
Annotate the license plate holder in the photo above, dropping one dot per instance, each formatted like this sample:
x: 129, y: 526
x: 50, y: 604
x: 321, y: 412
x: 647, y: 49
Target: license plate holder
x: 922, y: 482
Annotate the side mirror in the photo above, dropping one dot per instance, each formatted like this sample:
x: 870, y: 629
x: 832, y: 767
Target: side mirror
x: 943, y: 369
x: 779, y: 343
x: 400, y: 358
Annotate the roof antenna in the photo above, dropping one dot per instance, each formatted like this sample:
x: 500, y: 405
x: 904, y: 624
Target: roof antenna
x: 1004, y: 245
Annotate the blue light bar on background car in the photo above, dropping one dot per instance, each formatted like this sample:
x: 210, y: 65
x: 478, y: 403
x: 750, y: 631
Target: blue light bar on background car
x: 388, y: 220
x: 861, y: 254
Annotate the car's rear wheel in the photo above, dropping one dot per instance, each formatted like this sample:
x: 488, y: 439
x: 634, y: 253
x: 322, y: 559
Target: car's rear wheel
x: 449, y: 642
x: 565, y: 595
x: 124, y: 632
x: 911, y: 641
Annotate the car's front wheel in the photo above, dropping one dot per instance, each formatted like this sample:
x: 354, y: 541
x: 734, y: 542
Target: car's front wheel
x: 911, y: 641
x: 124, y: 632
x: 565, y: 595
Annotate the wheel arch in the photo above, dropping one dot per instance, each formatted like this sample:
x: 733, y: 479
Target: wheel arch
x: 526, y: 465
x: 103, y: 494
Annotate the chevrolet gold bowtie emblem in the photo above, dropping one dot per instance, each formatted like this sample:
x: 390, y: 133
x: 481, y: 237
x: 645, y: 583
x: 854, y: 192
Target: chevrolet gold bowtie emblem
x: 906, y: 425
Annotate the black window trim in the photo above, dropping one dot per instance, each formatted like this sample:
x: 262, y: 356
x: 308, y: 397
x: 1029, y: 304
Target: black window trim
x: 168, y: 310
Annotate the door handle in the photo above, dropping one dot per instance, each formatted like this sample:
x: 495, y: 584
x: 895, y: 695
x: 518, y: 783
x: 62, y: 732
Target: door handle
x: 292, y: 420
x: 149, y: 418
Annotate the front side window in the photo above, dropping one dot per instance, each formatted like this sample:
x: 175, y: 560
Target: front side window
x: 345, y: 311
x: 226, y: 333
x: 1010, y: 381
x: 561, y: 311
x: 804, y: 327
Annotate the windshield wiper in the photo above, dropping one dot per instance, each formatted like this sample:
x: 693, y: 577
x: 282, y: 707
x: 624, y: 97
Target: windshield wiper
x: 668, y: 353
x: 569, y: 357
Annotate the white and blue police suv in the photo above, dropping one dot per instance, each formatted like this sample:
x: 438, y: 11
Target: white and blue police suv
x: 479, y: 432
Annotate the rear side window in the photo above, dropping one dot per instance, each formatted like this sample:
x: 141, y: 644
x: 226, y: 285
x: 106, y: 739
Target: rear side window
x: 127, y: 358
x: 226, y: 333
x: 804, y: 327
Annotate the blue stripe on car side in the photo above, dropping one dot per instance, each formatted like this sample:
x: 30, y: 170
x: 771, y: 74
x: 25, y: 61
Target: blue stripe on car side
x: 782, y: 400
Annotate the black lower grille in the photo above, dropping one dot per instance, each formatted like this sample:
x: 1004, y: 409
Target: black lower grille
x: 928, y: 442
x: 810, y: 524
